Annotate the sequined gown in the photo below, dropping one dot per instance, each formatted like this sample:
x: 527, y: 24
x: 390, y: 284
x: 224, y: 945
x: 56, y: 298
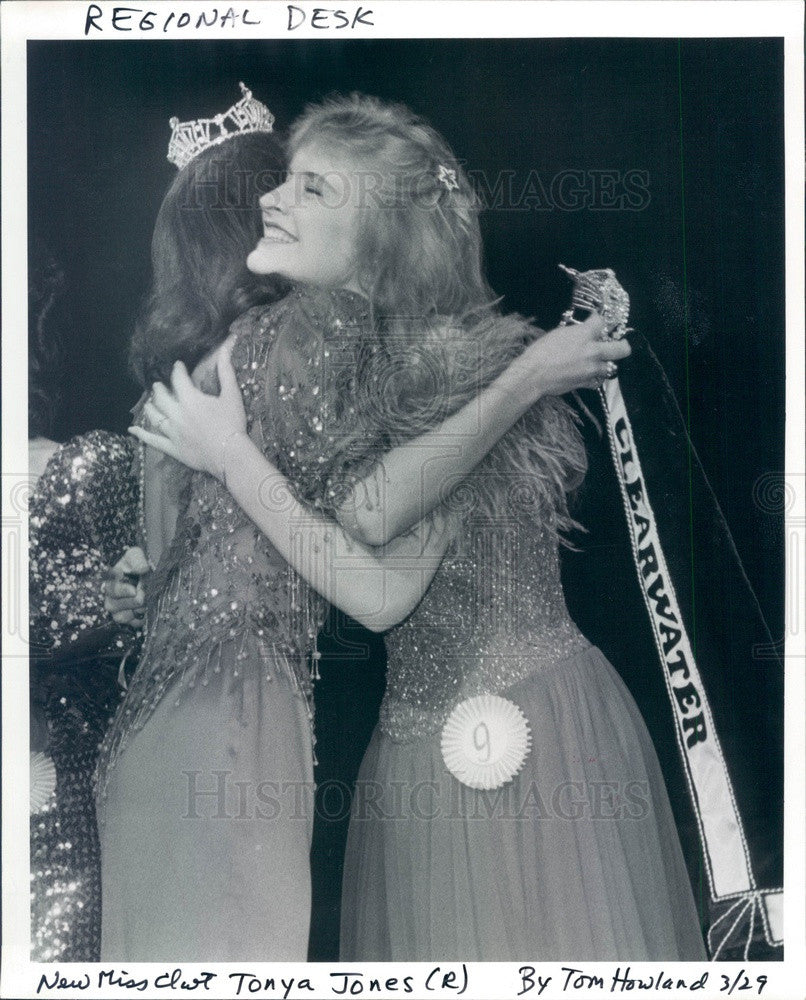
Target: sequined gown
x: 578, y: 856
x: 83, y: 513
x: 205, y: 783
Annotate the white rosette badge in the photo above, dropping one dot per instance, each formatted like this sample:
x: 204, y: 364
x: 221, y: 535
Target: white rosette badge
x: 485, y: 741
x: 43, y: 780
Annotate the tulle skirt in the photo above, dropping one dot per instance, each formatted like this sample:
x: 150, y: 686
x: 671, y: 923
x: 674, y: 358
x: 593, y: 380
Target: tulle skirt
x: 577, y: 857
x: 206, y: 824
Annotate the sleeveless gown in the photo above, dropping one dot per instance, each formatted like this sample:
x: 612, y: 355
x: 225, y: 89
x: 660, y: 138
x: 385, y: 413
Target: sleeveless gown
x: 577, y: 856
x: 205, y: 781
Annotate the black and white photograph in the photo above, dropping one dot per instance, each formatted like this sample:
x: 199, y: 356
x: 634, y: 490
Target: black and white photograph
x: 403, y: 566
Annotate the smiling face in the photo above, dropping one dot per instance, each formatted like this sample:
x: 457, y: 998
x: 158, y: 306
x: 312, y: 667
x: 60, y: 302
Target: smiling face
x: 310, y: 222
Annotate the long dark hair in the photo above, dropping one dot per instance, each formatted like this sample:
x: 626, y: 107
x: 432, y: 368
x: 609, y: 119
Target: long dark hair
x: 208, y: 222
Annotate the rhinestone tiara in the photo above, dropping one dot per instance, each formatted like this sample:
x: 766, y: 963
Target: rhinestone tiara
x: 188, y: 139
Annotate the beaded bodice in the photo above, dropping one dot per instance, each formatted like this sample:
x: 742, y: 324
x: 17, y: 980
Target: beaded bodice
x: 494, y: 614
x: 221, y: 580
x: 83, y: 513
x: 220, y: 575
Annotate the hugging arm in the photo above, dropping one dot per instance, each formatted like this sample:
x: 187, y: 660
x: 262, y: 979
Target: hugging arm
x: 412, y: 479
x: 377, y: 587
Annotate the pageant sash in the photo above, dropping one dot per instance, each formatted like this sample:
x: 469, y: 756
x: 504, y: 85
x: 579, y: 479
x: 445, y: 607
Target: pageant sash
x: 739, y: 907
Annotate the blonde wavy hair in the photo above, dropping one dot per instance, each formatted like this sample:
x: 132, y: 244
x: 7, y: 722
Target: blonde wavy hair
x: 419, y: 262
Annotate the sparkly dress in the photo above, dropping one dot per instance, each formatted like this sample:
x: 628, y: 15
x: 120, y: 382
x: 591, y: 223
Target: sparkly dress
x: 577, y: 856
x: 83, y: 513
x: 205, y: 781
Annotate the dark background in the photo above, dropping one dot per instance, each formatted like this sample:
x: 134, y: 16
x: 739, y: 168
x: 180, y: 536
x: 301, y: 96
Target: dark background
x: 702, y: 260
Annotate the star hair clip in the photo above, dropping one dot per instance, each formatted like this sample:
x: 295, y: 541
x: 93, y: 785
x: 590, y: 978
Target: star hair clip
x: 447, y: 178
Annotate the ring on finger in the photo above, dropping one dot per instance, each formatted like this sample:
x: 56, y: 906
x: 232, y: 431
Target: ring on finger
x: 611, y: 369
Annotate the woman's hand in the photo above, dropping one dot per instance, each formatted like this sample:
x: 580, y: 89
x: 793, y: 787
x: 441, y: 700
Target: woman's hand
x: 189, y: 425
x: 570, y: 357
x: 124, y: 597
